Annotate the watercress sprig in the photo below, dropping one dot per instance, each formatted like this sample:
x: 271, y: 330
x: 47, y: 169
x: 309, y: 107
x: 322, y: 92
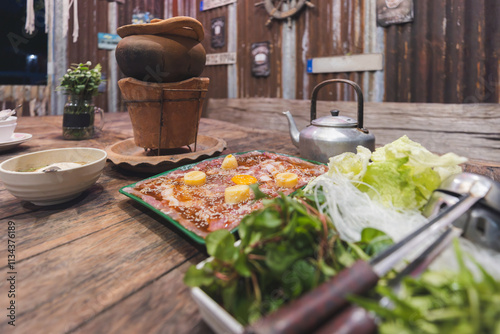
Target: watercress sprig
x: 285, y: 249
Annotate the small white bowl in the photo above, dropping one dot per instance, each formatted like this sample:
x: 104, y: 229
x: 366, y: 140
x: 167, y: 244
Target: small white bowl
x: 7, y: 128
x: 48, y: 188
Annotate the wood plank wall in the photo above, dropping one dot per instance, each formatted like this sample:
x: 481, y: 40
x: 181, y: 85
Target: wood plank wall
x: 217, y: 74
x: 126, y: 10
x: 333, y: 27
x: 33, y: 99
x: 470, y: 130
x: 92, y: 18
x: 449, y: 53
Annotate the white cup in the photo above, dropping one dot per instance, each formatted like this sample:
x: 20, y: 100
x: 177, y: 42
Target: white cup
x: 7, y: 128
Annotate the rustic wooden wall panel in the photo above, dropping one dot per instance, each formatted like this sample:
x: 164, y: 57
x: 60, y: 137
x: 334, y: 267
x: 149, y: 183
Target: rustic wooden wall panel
x: 437, y: 33
x: 475, y: 26
x: 492, y: 45
x: 184, y: 7
x: 314, y: 27
x: 125, y: 10
x: 216, y: 73
x: 448, y: 54
x: 92, y: 18
x: 455, y: 52
x: 252, y: 29
x: 332, y: 28
x: 465, y: 129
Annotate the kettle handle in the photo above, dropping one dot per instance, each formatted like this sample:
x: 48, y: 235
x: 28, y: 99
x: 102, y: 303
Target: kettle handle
x: 356, y: 88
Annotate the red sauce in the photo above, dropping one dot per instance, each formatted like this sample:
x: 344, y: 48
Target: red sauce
x: 204, y: 205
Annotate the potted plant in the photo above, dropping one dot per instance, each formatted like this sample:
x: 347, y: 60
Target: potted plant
x: 81, y: 84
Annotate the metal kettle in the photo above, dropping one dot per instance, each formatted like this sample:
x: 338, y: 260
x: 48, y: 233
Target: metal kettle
x: 328, y: 136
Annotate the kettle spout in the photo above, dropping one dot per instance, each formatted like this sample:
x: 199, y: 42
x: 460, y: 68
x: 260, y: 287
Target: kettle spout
x: 294, y: 132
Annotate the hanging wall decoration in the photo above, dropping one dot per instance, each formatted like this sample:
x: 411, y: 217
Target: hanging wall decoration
x: 394, y: 12
x: 261, y: 65
x: 218, y: 28
x: 283, y: 9
x: 49, y: 10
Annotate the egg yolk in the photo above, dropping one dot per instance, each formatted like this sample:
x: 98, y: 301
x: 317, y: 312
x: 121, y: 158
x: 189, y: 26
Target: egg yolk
x: 244, y: 179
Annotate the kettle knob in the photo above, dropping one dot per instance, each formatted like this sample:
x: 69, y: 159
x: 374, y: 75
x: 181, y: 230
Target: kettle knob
x: 334, y: 112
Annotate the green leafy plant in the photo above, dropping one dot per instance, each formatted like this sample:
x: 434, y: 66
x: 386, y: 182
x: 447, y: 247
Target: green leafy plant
x: 81, y: 80
x: 80, y: 83
x: 287, y: 249
x: 440, y: 302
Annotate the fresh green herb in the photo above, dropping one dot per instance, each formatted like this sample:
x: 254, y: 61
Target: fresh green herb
x: 286, y: 249
x: 440, y: 302
x: 82, y: 81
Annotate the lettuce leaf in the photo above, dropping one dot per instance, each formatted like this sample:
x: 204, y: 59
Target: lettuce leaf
x: 353, y: 166
x: 402, y: 174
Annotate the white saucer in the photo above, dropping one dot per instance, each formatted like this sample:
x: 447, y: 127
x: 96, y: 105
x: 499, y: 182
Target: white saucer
x: 16, y: 139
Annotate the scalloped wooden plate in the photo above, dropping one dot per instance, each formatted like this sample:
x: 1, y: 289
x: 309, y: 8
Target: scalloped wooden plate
x: 125, y: 154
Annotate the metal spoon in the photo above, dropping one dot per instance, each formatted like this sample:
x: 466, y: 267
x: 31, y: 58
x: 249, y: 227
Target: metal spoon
x: 51, y: 169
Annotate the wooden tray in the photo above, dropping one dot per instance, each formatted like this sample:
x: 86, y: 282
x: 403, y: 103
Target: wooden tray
x: 125, y: 154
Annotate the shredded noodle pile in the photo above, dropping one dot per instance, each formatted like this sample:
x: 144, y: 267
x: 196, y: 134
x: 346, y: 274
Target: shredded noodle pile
x: 352, y: 210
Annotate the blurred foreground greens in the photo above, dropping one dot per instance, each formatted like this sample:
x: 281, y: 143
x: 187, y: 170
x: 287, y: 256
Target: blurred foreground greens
x: 286, y: 249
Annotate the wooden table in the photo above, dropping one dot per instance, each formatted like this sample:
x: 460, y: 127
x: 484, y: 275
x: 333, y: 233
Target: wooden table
x: 103, y: 263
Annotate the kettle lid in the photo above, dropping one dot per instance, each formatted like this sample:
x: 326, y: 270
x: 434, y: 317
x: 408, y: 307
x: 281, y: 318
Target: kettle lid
x: 335, y: 121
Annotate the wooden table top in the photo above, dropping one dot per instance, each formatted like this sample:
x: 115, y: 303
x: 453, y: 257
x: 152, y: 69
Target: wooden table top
x: 102, y: 263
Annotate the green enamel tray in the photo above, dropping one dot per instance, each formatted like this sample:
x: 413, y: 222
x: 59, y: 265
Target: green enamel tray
x: 193, y: 236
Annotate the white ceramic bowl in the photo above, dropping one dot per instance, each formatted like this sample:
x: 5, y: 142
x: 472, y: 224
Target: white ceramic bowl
x: 215, y: 315
x: 7, y: 128
x: 51, y: 188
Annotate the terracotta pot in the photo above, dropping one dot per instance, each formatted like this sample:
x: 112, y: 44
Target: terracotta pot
x: 171, y: 111
x: 163, y: 50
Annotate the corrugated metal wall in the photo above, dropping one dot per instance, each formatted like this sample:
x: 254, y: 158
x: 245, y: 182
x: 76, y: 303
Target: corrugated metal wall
x: 92, y: 18
x: 217, y: 74
x: 449, y: 53
x: 126, y: 10
x: 333, y: 27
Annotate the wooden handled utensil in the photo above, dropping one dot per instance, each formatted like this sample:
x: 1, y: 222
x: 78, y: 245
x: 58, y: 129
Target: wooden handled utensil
x: 310, y: 311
